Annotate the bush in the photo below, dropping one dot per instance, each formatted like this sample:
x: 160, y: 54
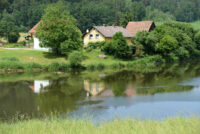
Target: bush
x: 167, y: 44
x: 75, y: 59
x: 197, y: 40
x: 118, y: 47
x: 13, y: 37
x: 108, y: 48
x: 95, y: 45
x: 122, y: 49
x: 69, y: 46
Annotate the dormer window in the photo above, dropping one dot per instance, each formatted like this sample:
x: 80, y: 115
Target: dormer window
x: 91, y: 36
x: 97, y: 36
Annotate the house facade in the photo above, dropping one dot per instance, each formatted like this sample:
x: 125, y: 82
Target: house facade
x: 106, y: 33
x: 36, y: 41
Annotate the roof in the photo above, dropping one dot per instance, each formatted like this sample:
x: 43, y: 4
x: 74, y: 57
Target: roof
x: 134, y: 27
x: 33, y: 30
x: 109, y: 31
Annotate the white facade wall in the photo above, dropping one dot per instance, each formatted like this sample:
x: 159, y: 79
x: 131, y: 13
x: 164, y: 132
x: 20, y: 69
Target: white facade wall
x: 37, y: 45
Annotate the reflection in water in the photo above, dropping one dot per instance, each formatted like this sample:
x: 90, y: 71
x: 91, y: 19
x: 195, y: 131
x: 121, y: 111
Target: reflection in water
x: 39, y: 85
x: 93, y: 88
x: 121, y: 92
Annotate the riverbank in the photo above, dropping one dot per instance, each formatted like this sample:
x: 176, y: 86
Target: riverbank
x: 13, y: 61
x: 56, y: 126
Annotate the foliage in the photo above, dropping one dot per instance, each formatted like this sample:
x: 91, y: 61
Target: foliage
x: 58, y: 31
x: 13, y: 37
x: 118, y: 47
x: 197, y: 40
x: 108, y: 48
x: 25, y: 14
x: 95, y: 45
x: 172, y: 40
x: 158, y: 15
x: 75, y: 59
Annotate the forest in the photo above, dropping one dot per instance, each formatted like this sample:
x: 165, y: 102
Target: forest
x: 24, y: 14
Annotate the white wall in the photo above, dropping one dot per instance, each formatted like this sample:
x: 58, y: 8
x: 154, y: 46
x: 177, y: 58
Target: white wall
x: 37, y: 45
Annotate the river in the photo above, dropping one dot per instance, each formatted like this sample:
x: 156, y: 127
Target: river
x: 103, y: 95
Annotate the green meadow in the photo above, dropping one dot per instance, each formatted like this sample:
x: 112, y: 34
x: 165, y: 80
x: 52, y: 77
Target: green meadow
x: 56, y: 126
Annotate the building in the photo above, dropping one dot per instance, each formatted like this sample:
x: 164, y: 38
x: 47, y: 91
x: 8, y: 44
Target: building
x: 105, y: 33
x: 36, y: 42
x: 134, y: 27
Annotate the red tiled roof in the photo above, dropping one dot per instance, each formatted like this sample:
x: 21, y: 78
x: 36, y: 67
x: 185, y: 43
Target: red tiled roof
x: 109, y: 31
x: 134, y: 27
x: 33, y: 30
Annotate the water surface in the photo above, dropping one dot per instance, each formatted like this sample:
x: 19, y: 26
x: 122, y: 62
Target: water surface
x: 103, y: 95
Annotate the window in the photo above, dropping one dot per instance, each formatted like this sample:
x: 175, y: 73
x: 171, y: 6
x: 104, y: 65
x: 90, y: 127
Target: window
x: 91, y: 36
x: 97, y: 36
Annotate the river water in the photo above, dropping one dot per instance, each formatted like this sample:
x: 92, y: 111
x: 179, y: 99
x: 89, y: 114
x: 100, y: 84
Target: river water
x: 103, y: 95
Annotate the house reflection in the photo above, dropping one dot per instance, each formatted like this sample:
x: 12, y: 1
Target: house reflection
x: 93, y: 88
x: 39, y: 85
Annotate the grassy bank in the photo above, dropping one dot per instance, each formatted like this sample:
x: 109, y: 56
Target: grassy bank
x: 31, y: 60
x: 56, y: 126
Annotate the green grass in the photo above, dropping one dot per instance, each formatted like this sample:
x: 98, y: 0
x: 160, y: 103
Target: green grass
x: 56, y: 126
x: 196, y: 24
x: 14, y: 46
x: 39, y: 57
x: 30, y: 60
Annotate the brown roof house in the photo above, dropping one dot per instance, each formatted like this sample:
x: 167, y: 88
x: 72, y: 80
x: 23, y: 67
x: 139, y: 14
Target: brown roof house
x: 36, y: 42
x: 105, y: 33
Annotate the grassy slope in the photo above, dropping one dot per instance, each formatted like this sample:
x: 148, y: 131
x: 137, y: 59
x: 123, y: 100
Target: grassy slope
x: 43, y: 57
x: 56, y: 126
x: 30, y: 56
x: 195, y: 24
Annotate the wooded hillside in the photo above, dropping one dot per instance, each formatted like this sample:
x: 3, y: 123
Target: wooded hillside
x: 26, y: 13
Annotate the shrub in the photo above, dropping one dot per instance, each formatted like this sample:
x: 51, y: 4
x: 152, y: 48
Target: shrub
x: 122, y: 49
x: 108, y: 48
x: 13, y: 37
x: 75, y: 59
x: 95, y: 45
x: 197, y: 40
x: 167, y: 44
x: 69, y: 46
x: 55, y: 66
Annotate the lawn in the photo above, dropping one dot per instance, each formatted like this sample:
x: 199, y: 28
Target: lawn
x: 31, y: 56
x: 57, y: 126
x: 42, y: 57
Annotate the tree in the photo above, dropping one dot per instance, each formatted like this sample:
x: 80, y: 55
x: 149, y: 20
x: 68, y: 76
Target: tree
x: 58, y: 30
x: 197, y: 40
x: 122, y: 49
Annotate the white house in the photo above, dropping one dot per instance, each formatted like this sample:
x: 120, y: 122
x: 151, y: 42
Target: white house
x: 36, y: 41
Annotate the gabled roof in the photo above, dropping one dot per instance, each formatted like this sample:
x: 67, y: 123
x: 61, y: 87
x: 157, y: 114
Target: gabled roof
x: 33, y: 30
x: 134, y: 27
x: 109, y: 31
